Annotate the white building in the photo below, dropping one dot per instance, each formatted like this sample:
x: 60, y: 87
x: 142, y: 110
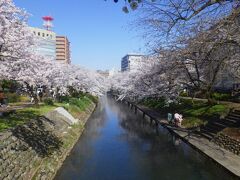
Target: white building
x: 46, y: 42
x: 130, y: 61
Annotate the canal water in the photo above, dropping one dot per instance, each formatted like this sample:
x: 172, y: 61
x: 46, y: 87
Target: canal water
x: 118, y: 144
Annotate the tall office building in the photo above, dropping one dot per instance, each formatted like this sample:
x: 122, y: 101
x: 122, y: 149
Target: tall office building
x: 130, y: 61
x: 46, y: 42
x: 62, y: 50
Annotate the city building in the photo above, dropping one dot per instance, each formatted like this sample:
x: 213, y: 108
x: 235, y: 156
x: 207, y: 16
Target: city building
x: 130, y: 61
x: 62, y: 49
x: 103, y: 73
x: 46, y: 42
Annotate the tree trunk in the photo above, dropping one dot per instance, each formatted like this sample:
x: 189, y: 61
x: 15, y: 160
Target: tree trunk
x: 211, y: 101
x: 35, y: 100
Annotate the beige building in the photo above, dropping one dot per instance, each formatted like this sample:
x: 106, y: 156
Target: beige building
x: 63, y: 49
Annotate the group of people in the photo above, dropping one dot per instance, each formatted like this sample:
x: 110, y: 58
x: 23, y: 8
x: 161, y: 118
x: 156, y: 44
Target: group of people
x: 176, y: 119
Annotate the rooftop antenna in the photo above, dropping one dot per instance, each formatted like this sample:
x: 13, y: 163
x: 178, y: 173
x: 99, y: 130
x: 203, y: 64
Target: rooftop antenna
x: 47, y: 22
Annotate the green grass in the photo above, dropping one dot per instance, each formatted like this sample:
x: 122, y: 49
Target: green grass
x: 193, y: 112
x: 75, y: 107
x: 190, y: 122
x: 152, y: 103
x: 209, y: 111
x: 22, y: 116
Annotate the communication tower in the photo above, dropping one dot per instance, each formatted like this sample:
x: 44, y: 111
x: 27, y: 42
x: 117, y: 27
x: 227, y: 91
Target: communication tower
x: 47, y: 22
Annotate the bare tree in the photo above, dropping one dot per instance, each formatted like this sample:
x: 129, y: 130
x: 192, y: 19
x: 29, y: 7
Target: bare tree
x: 162, y: 21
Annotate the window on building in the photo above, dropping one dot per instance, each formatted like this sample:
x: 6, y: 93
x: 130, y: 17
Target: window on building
x: 39, y: 34
x: 43, y: 35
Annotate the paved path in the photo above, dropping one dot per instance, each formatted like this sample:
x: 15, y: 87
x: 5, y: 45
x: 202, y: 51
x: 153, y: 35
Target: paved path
x: 14, y: 107
x: 234, y: 105
x: 227, y: 159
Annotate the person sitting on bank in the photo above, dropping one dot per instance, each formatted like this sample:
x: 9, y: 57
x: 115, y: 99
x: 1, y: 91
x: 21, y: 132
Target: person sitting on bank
x: 178, y: 119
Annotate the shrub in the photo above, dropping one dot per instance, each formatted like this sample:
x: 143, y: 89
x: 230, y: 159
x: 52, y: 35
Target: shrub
x: 184, y: 94
x: 12, y: 97
x: 81, y: 103
x: 221, y: 96
x: 92, y: 98
x: 64, y: 99
x: 154, y: 103
x: 48, y: 101
x: 24, y: 98
x: 190, y: 122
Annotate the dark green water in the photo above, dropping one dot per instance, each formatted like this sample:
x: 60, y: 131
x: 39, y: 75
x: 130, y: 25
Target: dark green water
x: 117, y: 144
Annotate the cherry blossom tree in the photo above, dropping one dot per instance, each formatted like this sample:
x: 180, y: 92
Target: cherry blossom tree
x: 206, y: 56
x: 19, y: 62
x: 38, y: 71
x: 152, y: 78
x: 195, y: 61
x: 15, y: 38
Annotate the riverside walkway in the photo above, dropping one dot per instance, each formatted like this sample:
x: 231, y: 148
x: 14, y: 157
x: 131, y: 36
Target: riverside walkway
x: 226, y: 159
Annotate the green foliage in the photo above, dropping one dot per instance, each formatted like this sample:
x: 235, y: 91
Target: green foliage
x: 193, y: 111
x: 154, y: 103
x: 78, y: 95
x: 183, y: 94
x: 12, y: 119
x: 24, y: 98
x: 190, y: 122
x: 81, y: 103
x: 12, y: 97
x: 48, y: 101
x: 221, y: 96
x: 64, y: 99
x: 9, y: 85
x: 92, y: 98
x: 214, y: 111
x: 74, y: 105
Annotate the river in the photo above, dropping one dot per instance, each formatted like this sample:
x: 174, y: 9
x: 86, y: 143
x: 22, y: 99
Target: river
x: 117, y: 144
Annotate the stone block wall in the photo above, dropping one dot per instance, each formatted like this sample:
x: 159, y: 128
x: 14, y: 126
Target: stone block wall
x: 228, y: 143
x: 37, y: 149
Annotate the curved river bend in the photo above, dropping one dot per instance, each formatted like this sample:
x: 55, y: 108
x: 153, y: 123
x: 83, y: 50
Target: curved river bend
x: 116, y: 144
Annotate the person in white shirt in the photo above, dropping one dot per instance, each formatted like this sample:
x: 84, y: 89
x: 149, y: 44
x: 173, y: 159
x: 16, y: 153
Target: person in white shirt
x: 178, y: 118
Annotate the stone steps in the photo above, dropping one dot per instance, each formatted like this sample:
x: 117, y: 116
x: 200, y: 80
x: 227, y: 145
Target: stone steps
x: 208, y: 135
x: 211, y: 129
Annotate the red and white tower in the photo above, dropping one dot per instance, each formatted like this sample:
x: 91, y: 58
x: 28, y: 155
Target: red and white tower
x: 48, y: 22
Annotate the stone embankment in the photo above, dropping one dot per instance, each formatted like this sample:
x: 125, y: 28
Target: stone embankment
x: 37, y: 149
x: 228, y: 143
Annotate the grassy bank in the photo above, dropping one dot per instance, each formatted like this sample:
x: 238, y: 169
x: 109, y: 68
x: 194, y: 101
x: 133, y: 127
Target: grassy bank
x: 80, y: 108
x: 73, y: 105
x: 195, y: 112
x: 40, y: 146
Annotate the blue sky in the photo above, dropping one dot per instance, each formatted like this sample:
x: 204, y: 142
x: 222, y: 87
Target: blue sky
x: 99, y: 31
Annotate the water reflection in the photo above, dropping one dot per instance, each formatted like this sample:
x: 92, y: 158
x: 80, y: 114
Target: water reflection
x: 118, y: 144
